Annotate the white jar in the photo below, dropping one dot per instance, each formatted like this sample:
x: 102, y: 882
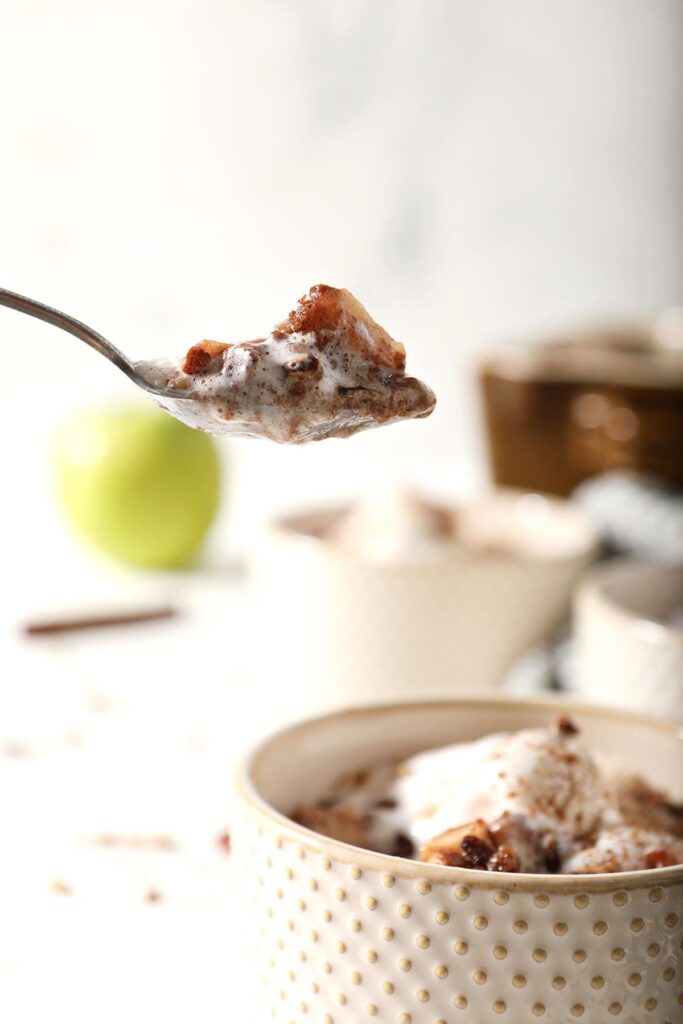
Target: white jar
x: 629, y: 637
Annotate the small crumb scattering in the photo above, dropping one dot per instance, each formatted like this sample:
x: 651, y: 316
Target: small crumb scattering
x: 16, y: 749
x: 116, y: 841
x: 224, y: 841
x: 61, y: 888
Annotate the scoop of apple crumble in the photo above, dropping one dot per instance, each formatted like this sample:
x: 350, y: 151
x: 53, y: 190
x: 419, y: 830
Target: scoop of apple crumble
x: 327, y: 371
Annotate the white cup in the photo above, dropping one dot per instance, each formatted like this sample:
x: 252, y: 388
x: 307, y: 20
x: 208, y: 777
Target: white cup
x: 629, y: 637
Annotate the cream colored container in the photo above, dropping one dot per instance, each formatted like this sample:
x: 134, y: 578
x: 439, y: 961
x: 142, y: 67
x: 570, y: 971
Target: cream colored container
x: 341, y: 935
x: 629, y: 638
x: 342, y: 629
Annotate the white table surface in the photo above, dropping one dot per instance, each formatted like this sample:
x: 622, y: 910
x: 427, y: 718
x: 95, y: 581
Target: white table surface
x: 131, y: 733
x: 135, y: 732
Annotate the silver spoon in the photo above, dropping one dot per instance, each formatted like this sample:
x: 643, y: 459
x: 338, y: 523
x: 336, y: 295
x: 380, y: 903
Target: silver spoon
x: 90, y: 337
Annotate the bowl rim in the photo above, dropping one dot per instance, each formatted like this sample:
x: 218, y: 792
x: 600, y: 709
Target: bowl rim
x: 419, y: 871
x: 593, y: 588
x: 571, y: 355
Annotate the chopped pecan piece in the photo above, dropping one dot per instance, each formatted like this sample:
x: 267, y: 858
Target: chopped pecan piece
x: 660, y: 859
x: 551, y: 853
x: 403, y: 846
x: 385, y: 803
x: 566, y: 726
x: 303, y: 362
x: 644, y: 806
x: 447, y: 848
x: 475, y: 852
x: 339, y: 822
x: 205, y: 357
x: 512, y: 830
x: 505, y: 858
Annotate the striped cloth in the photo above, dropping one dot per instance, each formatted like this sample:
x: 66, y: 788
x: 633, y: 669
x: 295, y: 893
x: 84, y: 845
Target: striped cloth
x: 635, y: 515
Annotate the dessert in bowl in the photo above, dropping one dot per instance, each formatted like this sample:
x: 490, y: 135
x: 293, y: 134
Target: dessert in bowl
x: 344, y: 934
x: 398, y: 593
x: 535, y: 801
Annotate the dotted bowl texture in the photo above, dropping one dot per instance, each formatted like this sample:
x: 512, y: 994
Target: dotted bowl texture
x: 338, y: 937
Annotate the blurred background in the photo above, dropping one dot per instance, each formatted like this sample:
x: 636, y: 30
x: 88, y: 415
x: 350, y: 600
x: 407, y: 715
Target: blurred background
x: 475, y: 172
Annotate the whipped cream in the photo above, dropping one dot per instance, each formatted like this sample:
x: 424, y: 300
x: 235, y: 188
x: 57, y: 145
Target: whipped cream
x: 546, y: 777
x: 395, y: 525
x: 626, y: 848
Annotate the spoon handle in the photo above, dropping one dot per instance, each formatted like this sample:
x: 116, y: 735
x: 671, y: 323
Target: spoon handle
x: 73, y: 326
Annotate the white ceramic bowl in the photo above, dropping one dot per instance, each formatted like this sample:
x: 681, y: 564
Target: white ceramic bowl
x: 340, y: 935
x: 343, y: 630
x: 629, y: 637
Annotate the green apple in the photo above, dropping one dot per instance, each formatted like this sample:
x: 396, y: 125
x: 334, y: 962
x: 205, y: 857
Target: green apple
x: 138, y: 484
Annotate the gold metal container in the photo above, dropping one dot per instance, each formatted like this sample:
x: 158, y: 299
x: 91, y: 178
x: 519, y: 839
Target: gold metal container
x: 560, y: 412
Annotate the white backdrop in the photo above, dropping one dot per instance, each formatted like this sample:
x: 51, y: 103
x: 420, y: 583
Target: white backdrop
x: 176, y: 169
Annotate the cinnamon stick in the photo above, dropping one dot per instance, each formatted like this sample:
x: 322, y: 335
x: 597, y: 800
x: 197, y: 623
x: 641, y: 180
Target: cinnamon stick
x: 103, y: 621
